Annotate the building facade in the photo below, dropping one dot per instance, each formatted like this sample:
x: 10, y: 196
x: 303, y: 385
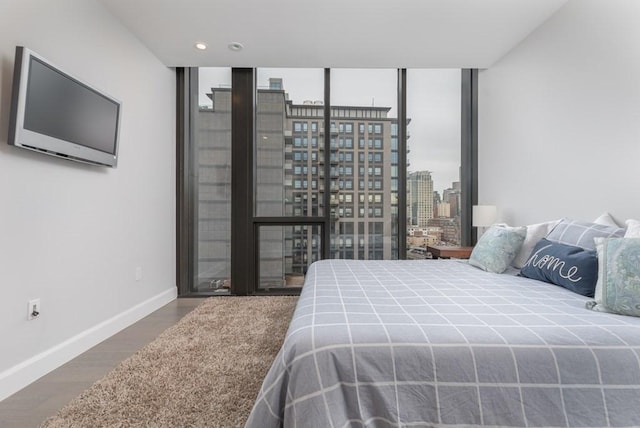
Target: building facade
x: 363, y: 182
x: 420, y: 198
x: 290, y: 159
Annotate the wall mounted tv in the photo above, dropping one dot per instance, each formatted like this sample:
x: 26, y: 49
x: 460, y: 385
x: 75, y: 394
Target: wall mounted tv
x: 57, y: 114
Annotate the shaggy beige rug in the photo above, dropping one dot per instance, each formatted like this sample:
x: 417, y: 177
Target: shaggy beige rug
x: 205, y: 371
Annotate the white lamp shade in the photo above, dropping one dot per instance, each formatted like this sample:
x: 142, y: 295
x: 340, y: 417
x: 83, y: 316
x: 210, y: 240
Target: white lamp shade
x: 484, y: 215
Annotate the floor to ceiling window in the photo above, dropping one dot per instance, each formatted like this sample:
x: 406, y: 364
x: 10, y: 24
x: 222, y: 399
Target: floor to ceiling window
x: 434, y: 191
x: 300, y: 197
x: 211, y: 152
x: 364, y: 164
x: 288, y: 165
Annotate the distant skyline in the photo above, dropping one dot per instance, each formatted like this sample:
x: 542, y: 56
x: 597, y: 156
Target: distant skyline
x: 433, y: 105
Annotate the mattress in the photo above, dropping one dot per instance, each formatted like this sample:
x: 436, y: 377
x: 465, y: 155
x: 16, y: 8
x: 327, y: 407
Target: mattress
x: 441, y: 343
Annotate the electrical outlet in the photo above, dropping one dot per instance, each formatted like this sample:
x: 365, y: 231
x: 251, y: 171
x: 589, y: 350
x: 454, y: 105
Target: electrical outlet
x: 34, y: 309
x: 138, y: 273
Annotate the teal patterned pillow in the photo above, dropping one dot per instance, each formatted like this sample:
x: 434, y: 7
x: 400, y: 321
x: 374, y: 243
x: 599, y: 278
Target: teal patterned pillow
x: 618, y: 286
x: 497, y: 248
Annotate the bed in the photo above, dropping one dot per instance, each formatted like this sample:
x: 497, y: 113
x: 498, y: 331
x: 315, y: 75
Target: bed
x: 441, y: 343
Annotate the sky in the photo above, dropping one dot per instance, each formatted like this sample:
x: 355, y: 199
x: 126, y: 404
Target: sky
x: 433, y: 105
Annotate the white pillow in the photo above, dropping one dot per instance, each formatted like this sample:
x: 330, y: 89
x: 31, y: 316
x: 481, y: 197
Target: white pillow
x: 606, y: 220
x: 633, y: 229
x: 535, y: 232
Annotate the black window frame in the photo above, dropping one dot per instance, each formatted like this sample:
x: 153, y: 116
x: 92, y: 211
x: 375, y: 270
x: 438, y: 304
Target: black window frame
x: 245, y: 224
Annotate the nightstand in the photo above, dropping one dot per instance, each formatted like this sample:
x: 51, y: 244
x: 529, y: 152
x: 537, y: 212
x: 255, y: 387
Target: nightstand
x: 449, y: 252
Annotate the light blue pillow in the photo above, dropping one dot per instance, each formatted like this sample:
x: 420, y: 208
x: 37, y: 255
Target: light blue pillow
x: 497, y: 248
x: 618, y: 286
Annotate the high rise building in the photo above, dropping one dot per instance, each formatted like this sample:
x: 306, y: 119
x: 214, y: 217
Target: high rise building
x: 420, y: 198
x: 436, y: 201
x: 290, y: 181
x: 363, y: 188
x: 452, y: 197
x: 444, y: 209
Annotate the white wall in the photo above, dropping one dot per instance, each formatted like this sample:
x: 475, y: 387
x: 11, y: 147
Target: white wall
x: 72, y: 234
x: 559, y: 118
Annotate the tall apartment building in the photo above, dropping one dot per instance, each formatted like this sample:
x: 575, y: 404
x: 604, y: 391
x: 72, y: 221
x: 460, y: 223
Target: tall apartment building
x: 420, y: 198
x: 290, y: 181
x: 363, y: 182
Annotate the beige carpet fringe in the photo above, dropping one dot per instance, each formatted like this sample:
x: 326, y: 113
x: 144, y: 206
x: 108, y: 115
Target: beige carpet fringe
x: 205, y: 371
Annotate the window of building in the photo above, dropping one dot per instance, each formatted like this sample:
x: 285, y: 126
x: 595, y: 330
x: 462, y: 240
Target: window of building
x: 288, y: 179
x: 210, y: 267
x: 435, y: 160
x: 348, y: 89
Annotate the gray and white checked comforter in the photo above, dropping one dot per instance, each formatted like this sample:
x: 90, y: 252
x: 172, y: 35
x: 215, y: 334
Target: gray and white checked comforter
x: 441, y: 343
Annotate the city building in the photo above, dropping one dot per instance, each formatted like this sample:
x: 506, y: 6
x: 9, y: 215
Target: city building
x: 450, y: 230
x: 452, y: 196
x: 290, y: 171
x: 420, y: 203
x: 421, y: 237
x: 443, y: 209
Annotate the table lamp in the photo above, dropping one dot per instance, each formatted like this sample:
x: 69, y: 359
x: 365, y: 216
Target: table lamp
x: 484, y: 216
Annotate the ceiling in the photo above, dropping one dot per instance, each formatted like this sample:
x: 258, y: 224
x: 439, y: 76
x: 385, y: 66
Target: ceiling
x: 333, y: 33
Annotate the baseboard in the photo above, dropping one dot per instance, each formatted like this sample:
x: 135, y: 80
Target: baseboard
x: 17, y: 377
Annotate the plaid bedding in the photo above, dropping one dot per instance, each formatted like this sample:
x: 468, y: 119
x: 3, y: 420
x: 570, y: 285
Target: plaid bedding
x: 441, y: 343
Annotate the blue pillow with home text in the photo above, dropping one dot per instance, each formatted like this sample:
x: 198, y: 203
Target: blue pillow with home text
x: 568, y: 266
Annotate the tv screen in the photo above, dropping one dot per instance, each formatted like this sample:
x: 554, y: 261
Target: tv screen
x: 57, y: 114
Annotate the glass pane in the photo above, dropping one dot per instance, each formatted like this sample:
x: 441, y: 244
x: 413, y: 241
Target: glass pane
x: 212, y: 154
x: 289, y: 142
x: 364, y: 159
x: 433, y: 176
x: 286, y: 253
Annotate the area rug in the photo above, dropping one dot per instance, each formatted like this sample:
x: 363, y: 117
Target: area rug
x: 205, y: 371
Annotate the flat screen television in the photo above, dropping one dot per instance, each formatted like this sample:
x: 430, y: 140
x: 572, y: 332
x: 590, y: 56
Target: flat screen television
x: 57, y: 114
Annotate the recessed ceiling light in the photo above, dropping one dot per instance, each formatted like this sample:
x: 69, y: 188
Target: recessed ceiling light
x: 200, y: 46
x: 236, y: 46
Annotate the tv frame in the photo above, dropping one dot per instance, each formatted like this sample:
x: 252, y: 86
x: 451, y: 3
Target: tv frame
x: 24, y: 138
